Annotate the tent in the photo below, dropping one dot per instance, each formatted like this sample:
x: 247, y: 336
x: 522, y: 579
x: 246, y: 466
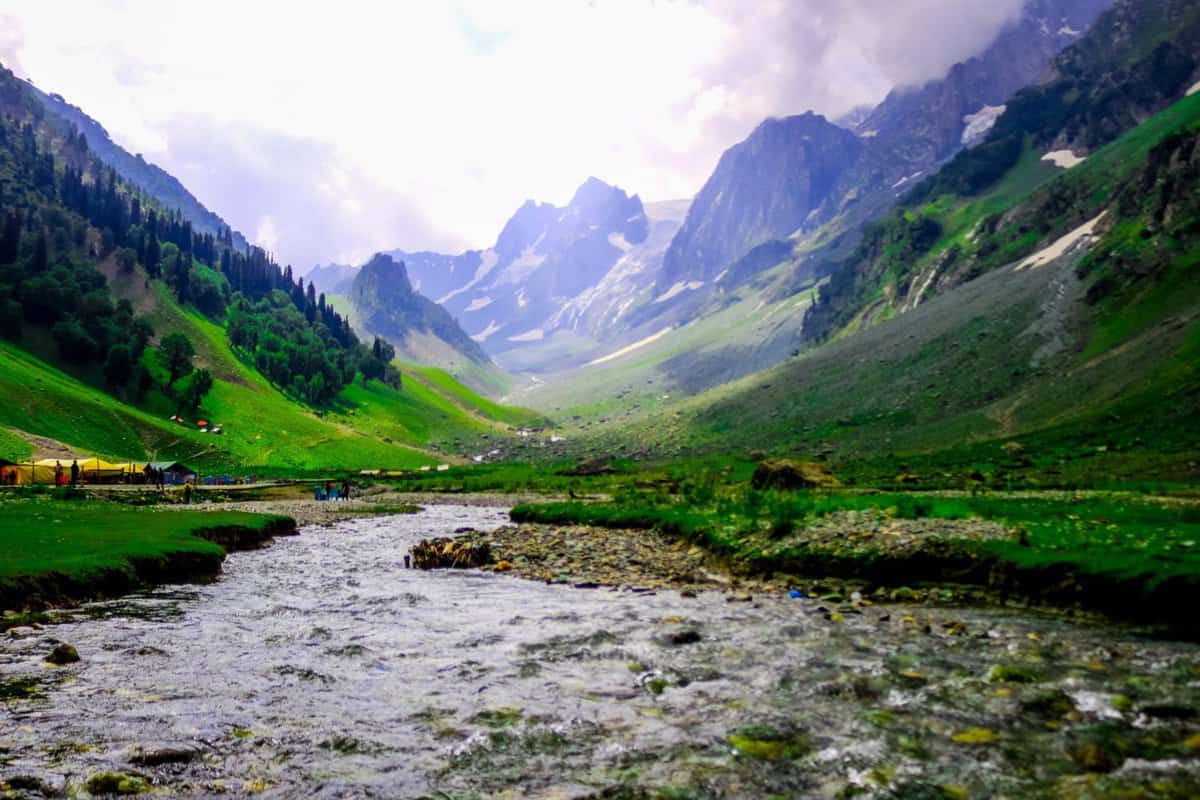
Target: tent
x: 91, y: 470
x: 174, y: 472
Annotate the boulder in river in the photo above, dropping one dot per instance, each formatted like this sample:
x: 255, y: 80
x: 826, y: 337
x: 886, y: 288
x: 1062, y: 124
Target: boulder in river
x: 63, y: 653
x: 446, y: 553
x: 790, y: 474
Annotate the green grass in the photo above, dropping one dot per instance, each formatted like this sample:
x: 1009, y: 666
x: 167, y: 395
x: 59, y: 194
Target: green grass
x: 265, y: 431
x: 13, y: 447
x: 723, y: 517
x: 443, y: 382
x: 1137, y: 543
x: 80, y: 539
x: 1126, y: 539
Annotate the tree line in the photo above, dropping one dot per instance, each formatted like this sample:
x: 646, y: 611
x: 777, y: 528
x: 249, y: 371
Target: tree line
x: 63, y: 210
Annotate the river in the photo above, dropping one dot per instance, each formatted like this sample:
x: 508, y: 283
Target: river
x: 321, y: 667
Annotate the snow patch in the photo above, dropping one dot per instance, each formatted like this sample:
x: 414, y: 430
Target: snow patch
x: 478, y: 303
x: 487, y: 261
x: 717, y: 279
x: 1067, y: 30
x: 1082, y: 235
x: 630, y: 348
x: 1064, y: 159
x: 486, y: 333
x: 535, y: 335
x: 617, y: 240
x: 521, y: 301
x: 1195, y: 88
x: 979, y: 123
x: 916, y: 301
x: 903, y: 181
x: 678, y: 289
x: 869, y: 134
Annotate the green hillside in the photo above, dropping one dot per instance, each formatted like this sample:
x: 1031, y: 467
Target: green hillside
x: 1090, y: 362
x: 116, y: 316
x: 264, y: 431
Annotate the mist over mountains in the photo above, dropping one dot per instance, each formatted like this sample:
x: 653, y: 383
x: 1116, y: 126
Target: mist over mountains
x: 563, y: 286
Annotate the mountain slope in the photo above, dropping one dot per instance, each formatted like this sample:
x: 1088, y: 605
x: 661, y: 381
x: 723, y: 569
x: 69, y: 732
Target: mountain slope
x: 909, y: 134
x: 1076, y: 359
x: 116, y: 316
x: 386, y: 305
x: 543, y: 257
x: 763, y: 188
x: 151, y: 179
x: 730, y: 299
x: 1136, y: 60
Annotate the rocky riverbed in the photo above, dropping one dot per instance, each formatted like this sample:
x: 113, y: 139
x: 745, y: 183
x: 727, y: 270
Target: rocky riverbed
x: 321, y: 667
x: 645, y: 560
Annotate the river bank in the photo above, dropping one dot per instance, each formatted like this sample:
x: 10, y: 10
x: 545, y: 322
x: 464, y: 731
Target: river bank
x: 56, y: 553
x: 1123, y: 558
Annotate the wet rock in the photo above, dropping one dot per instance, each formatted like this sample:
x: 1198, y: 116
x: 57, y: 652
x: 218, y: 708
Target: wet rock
x: 63, y: 653
x: 27, y: 783
x: 1094, y: 757
x: 1049, y: 705
x: 349, y: 746
x: 116, y: 783
x: 1167, y: 711
x: 163, y: 755
x: 684, y: 637
x: 498, y: 717
x: 1013, y: 673
x: 768, y: 743
x: 975, y: 736
x: 444, y: 553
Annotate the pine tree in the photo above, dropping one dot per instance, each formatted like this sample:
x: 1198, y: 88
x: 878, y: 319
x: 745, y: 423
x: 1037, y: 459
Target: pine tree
x: 10, y: 240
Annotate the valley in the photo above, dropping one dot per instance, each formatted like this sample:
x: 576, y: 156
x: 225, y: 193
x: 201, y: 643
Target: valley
x: 872, y: 469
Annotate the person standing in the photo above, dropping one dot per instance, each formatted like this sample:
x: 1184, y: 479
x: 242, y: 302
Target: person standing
x: 58, y: 473
x: 345, y: 488
x: 74, y: 473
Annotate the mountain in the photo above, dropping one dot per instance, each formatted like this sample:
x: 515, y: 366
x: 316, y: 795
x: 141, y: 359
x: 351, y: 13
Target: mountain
x: 117, y: 318
x: 1071, y: 351
x: 544, y: 258
x: 763, y: 188
x: 385, y: 304
x: 332, y: 279
x: 976, y: 214
x: 158, y: 183
x: 791, y: 177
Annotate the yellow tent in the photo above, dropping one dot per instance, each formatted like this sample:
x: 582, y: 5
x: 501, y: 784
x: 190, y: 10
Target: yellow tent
x: 91, y: 470
x: 34, y: 473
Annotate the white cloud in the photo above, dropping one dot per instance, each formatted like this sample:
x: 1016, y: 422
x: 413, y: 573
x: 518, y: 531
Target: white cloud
x: 366, y: 126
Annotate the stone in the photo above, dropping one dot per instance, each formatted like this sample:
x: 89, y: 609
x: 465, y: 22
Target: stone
x: 163, y: 755
x: 63, y: 653
x: 446, y: 553
x: 790, y: 474
x: 685, y: 637
x: 116, y: 783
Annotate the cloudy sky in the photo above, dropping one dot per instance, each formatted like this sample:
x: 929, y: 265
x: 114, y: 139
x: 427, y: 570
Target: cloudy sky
x: 327, y: 131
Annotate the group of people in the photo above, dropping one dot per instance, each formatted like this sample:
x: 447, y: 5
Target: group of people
x: 60, y: 476
x: 331, y: 491
x: 8, y: 477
